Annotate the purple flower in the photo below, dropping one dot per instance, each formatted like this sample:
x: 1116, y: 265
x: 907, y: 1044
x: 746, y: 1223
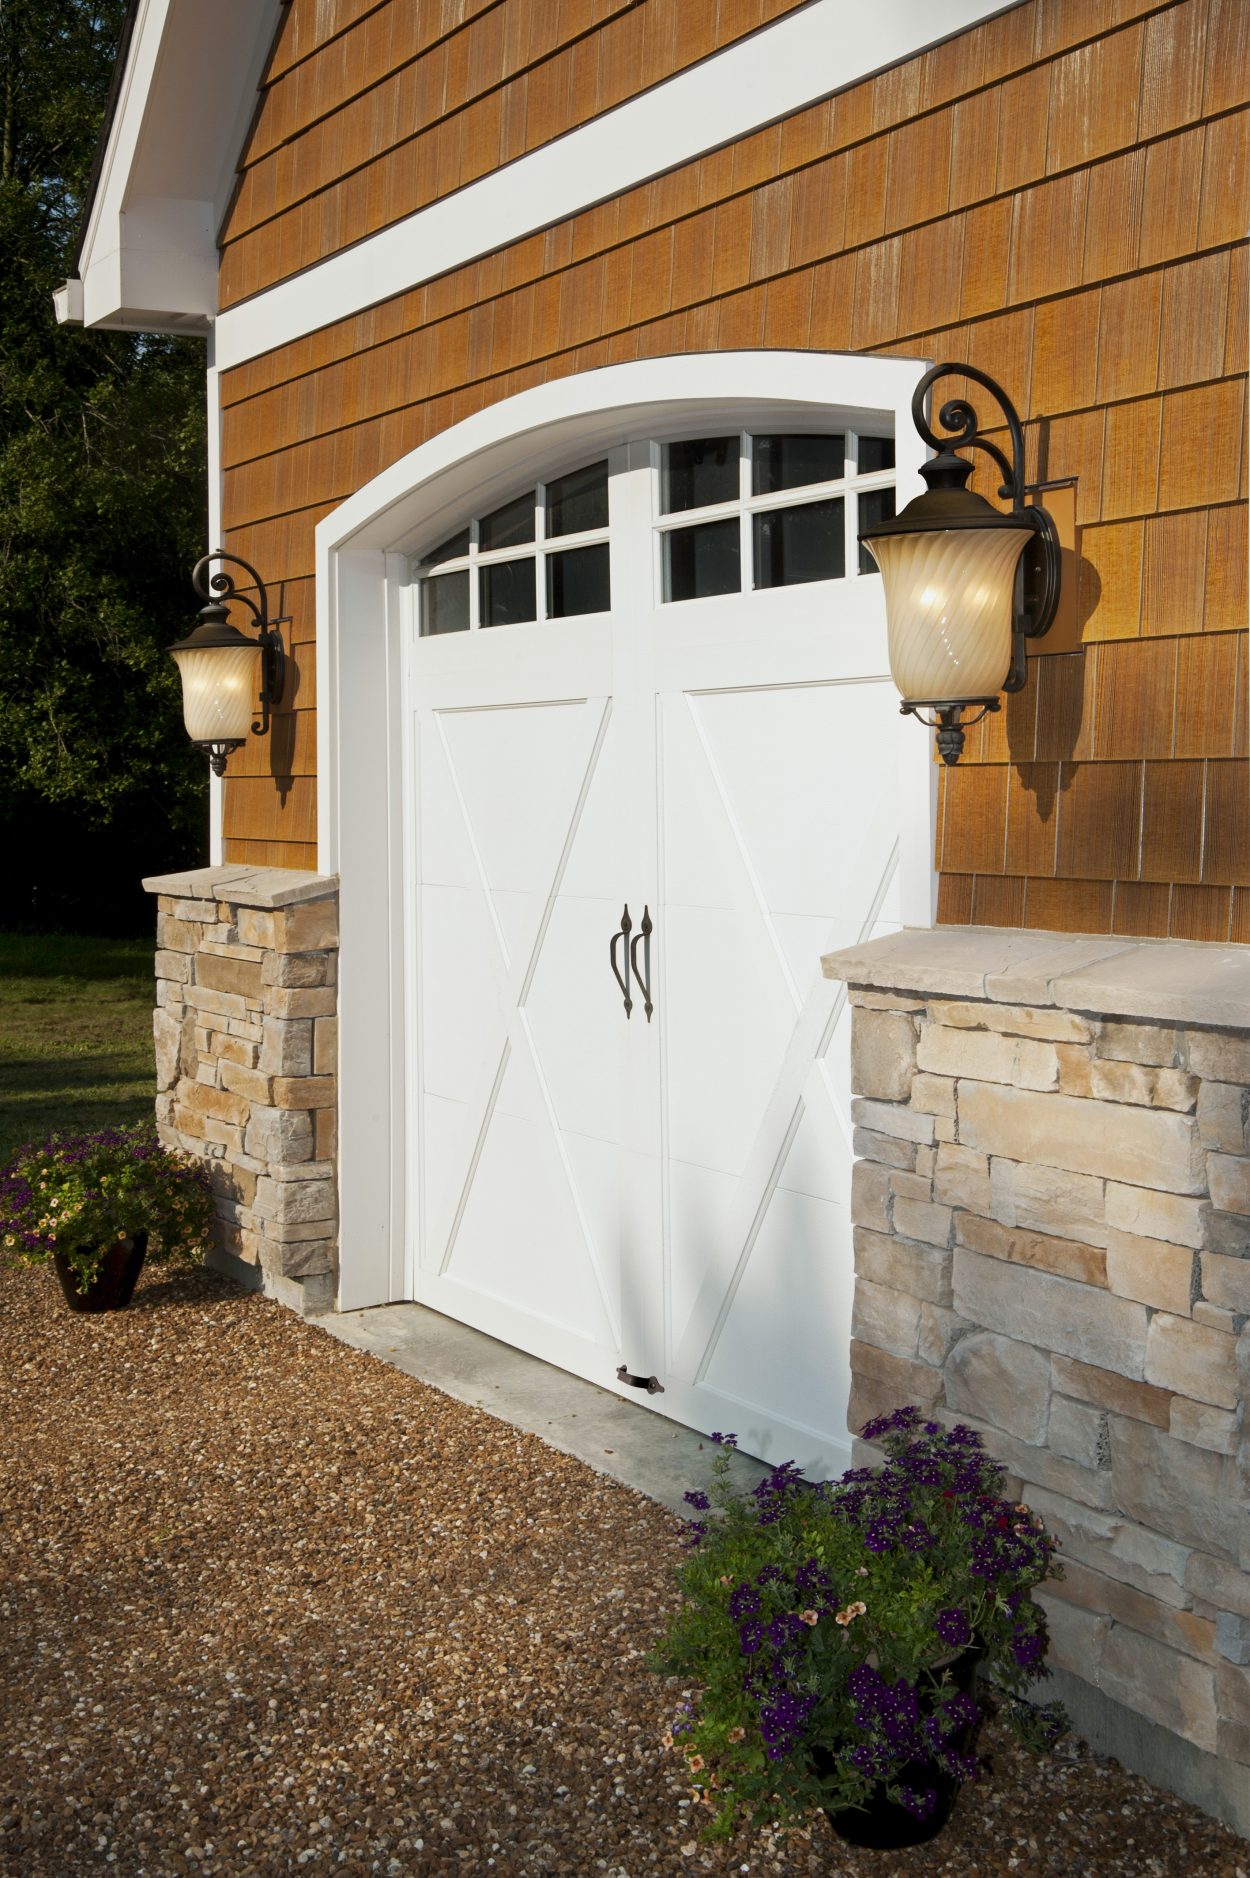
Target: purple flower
x: 751, y: 1636
x: 865, y: 1683
x: 954, y: 1629
x: 743, y: 1603
x: 699, y: 1501
x: 786, y: 1630
x: 781, y: 1722
x: 1027, y: 1647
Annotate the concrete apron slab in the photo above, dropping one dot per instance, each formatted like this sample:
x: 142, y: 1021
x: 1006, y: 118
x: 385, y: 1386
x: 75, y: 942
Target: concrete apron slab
x: 629, y: 1443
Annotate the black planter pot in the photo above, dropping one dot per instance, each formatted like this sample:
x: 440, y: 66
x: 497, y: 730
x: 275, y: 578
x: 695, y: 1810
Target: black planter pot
x: 881, y: 1823
x: 885, y: 1826
x: 113, y: 1285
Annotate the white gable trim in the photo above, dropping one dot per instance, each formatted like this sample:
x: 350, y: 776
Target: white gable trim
x: 819, y: 49
x: 149, y: 253
x: 362, y: 566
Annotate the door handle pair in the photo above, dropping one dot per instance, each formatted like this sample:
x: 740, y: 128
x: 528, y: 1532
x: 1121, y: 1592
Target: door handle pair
x: 641, y: 938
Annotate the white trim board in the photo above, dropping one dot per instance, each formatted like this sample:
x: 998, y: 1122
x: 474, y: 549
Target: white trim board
x: 823, y: 47
x: 149, y: 254
x: 362, y: 566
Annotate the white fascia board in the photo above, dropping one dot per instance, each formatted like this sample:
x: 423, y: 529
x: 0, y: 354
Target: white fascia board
x: 819, y: 49
x: 149, y: 258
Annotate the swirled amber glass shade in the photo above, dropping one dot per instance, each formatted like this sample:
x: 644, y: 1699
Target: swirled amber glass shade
x: 220, y: 691
x: 948, y: 598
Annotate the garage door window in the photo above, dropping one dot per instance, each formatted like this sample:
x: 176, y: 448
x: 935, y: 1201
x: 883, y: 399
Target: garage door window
x: 750, y: 511
x: 541, y: 555
x: 735, y: 512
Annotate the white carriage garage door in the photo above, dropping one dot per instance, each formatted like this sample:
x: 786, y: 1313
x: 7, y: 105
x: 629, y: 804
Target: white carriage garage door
x: 653, y: 776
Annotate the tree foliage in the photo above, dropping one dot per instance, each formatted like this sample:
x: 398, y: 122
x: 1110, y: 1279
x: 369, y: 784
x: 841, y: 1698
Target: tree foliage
x: 102, y: 458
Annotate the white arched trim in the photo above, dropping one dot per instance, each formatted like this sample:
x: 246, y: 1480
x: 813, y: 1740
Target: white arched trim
x: 363, y: 552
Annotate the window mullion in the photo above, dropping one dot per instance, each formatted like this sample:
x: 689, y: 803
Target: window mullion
x: 746, y: 559
x: 540, y: 553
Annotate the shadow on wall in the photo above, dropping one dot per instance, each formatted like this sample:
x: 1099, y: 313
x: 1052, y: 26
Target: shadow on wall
x: 1045, y: 739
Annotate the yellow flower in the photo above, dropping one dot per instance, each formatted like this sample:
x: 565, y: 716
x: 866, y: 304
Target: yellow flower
x: 737, y: 1734
x: 696, y: 1763
x: 809, y: 1618
x: 851, y: 1612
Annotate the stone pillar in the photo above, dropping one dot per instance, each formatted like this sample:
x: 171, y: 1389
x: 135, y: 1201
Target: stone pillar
x: 246, y: 1060
x: 1052, y: 1244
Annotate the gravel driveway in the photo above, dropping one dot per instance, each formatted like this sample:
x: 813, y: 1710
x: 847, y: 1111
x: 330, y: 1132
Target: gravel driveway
x: 271, y: 1606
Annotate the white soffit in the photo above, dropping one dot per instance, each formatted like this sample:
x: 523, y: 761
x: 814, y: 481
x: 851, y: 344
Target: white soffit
x: 149, y: 253
x: 823, y: 47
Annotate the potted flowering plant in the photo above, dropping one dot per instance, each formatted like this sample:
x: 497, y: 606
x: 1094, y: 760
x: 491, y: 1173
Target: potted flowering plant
x: 96, y: 1204
x: 844, y: 1636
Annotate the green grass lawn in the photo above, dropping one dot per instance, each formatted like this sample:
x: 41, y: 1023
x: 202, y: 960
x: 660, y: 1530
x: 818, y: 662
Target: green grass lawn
x: 75, y: 1034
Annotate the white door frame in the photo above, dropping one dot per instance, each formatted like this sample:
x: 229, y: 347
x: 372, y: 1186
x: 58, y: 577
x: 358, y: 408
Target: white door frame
x: 363, y: 550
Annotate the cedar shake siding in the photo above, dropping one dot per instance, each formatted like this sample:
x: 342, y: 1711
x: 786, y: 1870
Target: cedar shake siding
x: 1057, y: 195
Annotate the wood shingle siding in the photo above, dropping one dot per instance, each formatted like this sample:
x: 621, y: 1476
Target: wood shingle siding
x: 1057, y: 196
x: 408, y: 102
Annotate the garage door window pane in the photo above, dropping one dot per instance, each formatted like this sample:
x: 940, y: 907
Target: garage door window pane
x: 507, y: 593
x: 791, y: 462
x: 445, y: 604
x: 509, y: 526
x: 453, y: 549
x: 795, y: 545
x: 875, y: 505
x: 875, y: 453
x: 578, y: 582
x: 699, y: 473
x: 578, y: 502
x: 702, y: 561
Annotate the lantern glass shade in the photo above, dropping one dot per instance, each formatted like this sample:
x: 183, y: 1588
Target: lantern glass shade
x: 220, y: 688
x: 948, y: 599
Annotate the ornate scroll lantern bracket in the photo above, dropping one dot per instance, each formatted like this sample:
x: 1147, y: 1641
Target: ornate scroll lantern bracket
x: 226, y: 675
x: 967, y: 585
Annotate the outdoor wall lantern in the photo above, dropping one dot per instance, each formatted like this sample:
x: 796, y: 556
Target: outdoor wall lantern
x: 227, y: 677
x: 966, y: 584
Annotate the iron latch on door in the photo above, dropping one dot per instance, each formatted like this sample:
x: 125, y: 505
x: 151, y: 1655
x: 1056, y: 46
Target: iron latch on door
x: 651, y: 1384
x: 641, y: 938
x: 622, y: 932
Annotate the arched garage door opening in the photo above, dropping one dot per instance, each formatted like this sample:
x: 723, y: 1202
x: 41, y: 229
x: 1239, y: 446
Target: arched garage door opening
x: 604, y: 719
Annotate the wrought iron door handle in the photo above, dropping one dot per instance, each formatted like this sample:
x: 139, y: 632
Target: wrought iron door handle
x: 651, y: 1384
x: 643, y: 938
x: 622, y: 932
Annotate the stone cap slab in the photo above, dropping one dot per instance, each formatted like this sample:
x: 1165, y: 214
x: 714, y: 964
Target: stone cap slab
x: 245, y: 886
x: 1170, y: 980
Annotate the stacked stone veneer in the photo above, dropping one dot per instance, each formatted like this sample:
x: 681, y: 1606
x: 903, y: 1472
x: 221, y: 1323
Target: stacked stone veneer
x: 1052, y: 1243
x: 246, y: 1053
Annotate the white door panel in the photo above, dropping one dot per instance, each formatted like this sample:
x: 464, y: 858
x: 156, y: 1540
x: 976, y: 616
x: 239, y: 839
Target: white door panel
x: 670, y: 1197
x: 723, y: 1052
x: 520, y: 1235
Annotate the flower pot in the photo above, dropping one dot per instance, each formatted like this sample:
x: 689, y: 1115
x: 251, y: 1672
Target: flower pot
x: 113, y: 1285
x: 885, y: 1826
x: 881, y: 1823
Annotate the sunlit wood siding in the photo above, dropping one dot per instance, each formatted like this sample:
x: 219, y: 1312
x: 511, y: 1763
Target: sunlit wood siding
x: 1057, y: 196
x: 370, y: 113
